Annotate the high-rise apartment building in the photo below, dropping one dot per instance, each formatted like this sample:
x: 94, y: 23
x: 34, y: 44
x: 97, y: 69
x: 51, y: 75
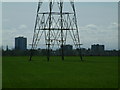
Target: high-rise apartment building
x: 20, y: 43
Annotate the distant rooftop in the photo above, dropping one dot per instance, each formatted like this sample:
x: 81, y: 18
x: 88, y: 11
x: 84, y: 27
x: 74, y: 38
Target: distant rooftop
x: 20, y: 37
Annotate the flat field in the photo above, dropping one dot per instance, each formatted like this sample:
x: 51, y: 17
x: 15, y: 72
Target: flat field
x: 94, y: 72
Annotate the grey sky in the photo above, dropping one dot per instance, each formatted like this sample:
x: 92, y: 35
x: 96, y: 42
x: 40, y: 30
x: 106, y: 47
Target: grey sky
x: 97, y: 22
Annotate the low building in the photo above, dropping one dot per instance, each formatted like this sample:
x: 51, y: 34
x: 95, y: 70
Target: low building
x: 67, y: 49
x: 97, y: 49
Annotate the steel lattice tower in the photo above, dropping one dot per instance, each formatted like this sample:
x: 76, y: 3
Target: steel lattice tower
x: 54, y: 26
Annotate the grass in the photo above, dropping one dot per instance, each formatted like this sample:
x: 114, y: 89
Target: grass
x: 94, y: 72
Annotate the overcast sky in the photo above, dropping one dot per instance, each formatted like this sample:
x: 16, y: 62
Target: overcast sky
x: 97, y: 22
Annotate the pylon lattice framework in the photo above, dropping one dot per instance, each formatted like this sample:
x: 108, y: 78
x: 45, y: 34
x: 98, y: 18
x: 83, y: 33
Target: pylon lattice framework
x: 55, y: 26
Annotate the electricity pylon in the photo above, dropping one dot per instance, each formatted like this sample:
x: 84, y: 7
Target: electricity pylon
x: 55, y: 26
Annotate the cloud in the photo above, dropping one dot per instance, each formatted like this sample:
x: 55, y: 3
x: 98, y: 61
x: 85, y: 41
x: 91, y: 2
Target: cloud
x: 5, y: 20
x: 89, y: 27
x: 90, y: 34
x: 8, y: 35
x: 92, y: 26
x: 22, y: 26
x: 113, y: 26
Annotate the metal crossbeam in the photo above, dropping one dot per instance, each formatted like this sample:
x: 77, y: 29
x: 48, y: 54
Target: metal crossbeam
x: 55, y: 27
x: 55, y: 13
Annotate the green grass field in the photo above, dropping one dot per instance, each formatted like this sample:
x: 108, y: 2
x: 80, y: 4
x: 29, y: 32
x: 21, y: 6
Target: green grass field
x: 94, y: 72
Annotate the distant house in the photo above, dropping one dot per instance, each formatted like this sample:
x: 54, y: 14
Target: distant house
x: 97, y: 49
x: 67, y: 49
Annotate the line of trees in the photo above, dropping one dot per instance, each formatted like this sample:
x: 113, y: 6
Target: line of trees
x: 43, y: 52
